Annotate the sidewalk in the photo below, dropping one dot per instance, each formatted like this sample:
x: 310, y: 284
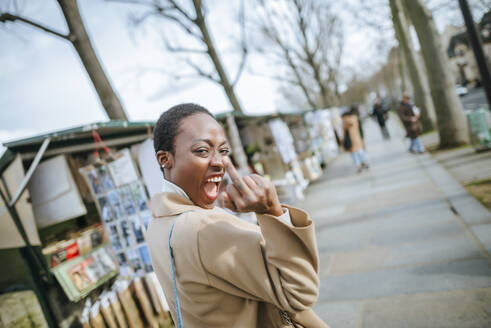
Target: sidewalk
x: 402, y: 245
x: 472, y: 169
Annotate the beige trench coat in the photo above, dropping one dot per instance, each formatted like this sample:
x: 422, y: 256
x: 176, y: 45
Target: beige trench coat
x: 350, y: 123
x: 231, y: 273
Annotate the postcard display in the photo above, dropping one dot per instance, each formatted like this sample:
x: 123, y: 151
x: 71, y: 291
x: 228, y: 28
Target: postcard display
x: 122, y: 203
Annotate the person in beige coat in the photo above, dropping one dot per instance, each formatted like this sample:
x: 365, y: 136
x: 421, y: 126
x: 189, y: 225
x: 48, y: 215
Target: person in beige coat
x: 355, y: 145
x: 227, y: 272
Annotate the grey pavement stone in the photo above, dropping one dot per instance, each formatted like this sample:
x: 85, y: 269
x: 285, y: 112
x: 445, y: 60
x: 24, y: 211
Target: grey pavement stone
x: 427, y: 210
x: 464, y: 163
x: 471, y: 211
x: 338, y: 315
x: 483, y: 233
x: 454, y: 247
x: 341, y: 240
x: 367, y: 259
x: 469, y: 274
x: 392, y: 251
x: 418, y: 233
x: 456, y: 309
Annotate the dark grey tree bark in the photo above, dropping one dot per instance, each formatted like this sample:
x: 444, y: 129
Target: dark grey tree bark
x: 211, y: 50
x: 190, y: 17
x: 80, y: 40
x: 452, y: 125
x: 400, y: 66
x: 422, y: 97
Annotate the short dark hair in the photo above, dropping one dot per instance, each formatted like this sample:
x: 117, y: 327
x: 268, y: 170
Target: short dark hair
x: 167, y: 127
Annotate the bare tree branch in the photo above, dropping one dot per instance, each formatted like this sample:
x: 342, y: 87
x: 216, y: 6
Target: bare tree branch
x: 175, y: 49
x: 8, y: 17
x: 179, y: 22
x: 182, y: 11
x: 202, y: 73
x: 243, y: 44
x: 195, y: 25
x: 306, y: 33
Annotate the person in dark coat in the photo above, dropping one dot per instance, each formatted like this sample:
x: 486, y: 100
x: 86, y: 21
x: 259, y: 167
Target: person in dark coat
x: 380, y: 114
x: 409, y: 115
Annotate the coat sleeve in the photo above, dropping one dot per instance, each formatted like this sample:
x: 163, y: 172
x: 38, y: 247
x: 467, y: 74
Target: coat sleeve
x: 403, y: 115
x: 276, y: 263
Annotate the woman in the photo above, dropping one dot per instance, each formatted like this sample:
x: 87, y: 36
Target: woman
x: 352, y: 130
x: 228, y: 273
x: 409, y: 116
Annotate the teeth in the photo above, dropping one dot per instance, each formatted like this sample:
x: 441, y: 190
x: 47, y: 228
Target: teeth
x: 214, y: 179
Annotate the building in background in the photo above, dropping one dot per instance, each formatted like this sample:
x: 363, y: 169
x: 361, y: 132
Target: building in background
x: 459, y: 50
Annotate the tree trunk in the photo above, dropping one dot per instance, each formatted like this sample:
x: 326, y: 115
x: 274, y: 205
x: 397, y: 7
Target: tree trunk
x: 80, y: 40
x: 452, y: 125
x: 224, y: 80
x: 400, y: 66
x: 422, y: 97
x: 238, y: 150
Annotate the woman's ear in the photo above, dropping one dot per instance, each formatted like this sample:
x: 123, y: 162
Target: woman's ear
x: 165, y: 159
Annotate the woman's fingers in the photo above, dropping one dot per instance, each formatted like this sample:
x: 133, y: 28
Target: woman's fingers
x: 250, y: 183
x: 237, y: 180
x: 261, y: 186
x: 226, y: 202
x: 260, y: 181
x: 232, y: 172
x: 250, y: 193
x: 236, y: 199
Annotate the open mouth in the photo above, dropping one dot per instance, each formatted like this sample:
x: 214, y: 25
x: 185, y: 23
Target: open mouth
x: 211, y: 187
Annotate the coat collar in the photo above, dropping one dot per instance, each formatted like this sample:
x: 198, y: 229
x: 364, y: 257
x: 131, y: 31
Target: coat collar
x: 169, y: 204
x: 168, y: 186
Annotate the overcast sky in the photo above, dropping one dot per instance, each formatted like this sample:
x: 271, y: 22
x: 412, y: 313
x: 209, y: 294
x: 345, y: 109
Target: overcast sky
x: 44, y: 87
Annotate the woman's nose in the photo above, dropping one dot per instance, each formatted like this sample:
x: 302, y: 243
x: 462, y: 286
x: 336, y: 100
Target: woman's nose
x: 217, y: 160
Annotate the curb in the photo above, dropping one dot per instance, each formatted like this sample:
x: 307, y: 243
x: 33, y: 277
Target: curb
x: 475, y: 217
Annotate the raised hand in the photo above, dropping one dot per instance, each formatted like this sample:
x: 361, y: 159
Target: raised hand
x: 251, y: 193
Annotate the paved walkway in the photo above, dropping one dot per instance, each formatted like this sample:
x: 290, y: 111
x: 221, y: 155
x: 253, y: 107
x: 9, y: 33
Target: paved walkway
x: 464, y: 163
x: 402, y: 245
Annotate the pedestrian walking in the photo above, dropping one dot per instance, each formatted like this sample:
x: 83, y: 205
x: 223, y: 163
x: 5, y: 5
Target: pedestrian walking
x: 380, y: 113
x: 355, y: 109
x: 409, y: 115
x: 217, y: 270
x: 353, y: 141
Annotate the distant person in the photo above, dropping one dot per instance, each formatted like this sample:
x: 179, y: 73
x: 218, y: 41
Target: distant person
x: 380, y: 113
x: 355, y: 109
x: 409, y: 116
x: 353, y: 141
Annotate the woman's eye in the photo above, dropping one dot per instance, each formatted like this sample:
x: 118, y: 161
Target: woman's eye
x: 224, y: 151
x: 201, y: 151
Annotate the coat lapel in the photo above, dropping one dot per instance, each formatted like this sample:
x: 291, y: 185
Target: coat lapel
x: 169, y: 204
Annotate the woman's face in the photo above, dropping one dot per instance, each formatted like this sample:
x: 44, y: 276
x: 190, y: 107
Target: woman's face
x: 197, y: 165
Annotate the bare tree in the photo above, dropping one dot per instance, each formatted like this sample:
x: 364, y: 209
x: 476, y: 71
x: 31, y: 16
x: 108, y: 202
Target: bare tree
x: 190, y: 16
x: 401, y: 70
x: 357, y: 91
x: 422, y: 97
x: 78, y: 37
x: 306, y: 38
x: 388, y: 79
x: 452, y: 125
